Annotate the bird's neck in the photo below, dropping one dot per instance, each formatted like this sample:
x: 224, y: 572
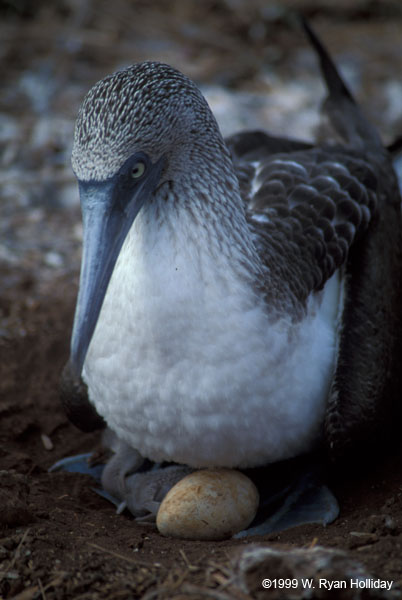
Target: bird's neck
x: 201, y: 208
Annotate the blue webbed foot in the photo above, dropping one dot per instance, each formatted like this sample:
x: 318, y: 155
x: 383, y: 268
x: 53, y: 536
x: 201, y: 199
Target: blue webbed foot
x: 292, y: 493
x: 81, y: 463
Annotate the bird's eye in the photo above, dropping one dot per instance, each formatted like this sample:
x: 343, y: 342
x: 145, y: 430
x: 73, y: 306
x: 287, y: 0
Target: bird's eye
x: 138, y: 170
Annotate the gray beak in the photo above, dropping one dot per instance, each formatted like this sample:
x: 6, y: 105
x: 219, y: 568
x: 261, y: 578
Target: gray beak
x: 109, y: 209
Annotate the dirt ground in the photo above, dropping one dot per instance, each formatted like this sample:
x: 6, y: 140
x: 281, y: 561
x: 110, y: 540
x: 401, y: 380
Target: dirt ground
x: 58, y: 539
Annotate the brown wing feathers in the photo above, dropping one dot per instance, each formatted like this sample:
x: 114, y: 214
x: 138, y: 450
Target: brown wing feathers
x: 315, y: 209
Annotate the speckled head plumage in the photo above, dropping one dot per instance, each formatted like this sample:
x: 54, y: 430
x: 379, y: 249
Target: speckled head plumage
x: 149, y: 106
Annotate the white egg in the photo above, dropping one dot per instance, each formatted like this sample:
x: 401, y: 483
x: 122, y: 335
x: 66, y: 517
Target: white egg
x: 211, y: 504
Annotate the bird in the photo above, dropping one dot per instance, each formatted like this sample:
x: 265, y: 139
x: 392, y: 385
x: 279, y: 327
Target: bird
x: 238, y: 301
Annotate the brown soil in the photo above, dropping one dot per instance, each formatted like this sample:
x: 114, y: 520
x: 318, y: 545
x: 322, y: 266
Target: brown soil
x: 60, y: 540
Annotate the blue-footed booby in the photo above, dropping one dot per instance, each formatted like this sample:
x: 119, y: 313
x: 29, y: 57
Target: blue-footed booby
x: 238, y: 300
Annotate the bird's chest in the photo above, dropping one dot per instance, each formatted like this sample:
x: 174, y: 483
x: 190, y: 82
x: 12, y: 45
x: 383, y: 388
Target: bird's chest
x: 185, y: 366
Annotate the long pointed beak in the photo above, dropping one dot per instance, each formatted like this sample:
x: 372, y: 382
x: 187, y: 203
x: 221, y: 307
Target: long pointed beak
x: 108, y: 214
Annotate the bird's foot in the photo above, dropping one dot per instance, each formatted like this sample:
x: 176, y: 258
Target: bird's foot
x: 81, y: 463
x: 128, y: 480
x: 292, y: 493
x: 144, y: 492
x: 135, y: 483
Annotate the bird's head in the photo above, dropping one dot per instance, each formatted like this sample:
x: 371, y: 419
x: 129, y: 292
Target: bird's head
x: 147, y: 109
x: 136, y: 130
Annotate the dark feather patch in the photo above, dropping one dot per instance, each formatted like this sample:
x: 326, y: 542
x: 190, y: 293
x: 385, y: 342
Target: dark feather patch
x: 74, y: 398
x: 306, y: 208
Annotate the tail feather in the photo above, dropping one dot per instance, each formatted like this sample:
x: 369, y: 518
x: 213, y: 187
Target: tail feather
x: 344, y: 112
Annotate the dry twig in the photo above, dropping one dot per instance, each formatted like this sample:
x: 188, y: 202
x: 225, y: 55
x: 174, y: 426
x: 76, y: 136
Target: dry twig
x: 132, y: 561
x: 15, y: 557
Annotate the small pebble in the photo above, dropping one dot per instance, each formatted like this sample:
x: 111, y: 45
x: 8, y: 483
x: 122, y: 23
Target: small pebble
x: 53, y: 259
x: 361, y: 538
x: 211, y: 504
x: 46, y: 441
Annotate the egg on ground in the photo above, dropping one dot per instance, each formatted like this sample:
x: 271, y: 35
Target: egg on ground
x: 210, y: 504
